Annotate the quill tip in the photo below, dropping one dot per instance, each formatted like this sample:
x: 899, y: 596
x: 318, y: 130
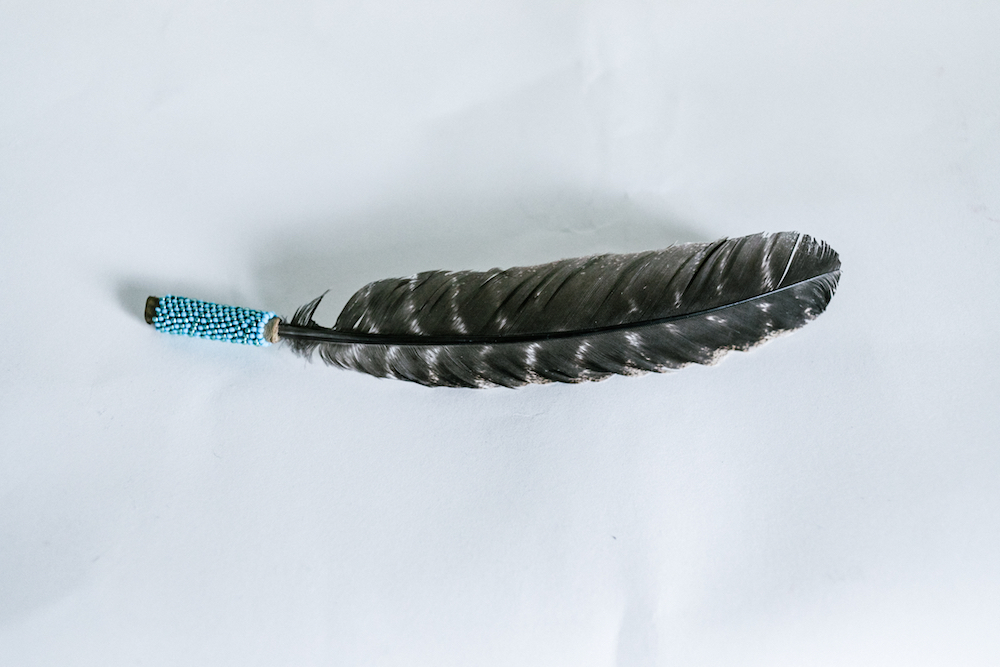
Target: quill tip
x: 151, y: 305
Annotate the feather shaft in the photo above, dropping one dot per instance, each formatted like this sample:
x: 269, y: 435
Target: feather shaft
x: 324, y: 335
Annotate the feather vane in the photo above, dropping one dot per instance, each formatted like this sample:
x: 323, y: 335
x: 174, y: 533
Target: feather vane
x: 579, y: 319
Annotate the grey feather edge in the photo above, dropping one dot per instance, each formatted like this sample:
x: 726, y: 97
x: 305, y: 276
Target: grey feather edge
x: 586, y: 318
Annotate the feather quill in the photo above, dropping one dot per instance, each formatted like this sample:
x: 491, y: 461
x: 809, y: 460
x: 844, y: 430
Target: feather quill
x: 580, y: 319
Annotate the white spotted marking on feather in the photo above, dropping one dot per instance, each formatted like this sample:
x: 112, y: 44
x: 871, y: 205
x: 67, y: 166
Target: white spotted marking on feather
x: 431, y: 355
x: 531, y: 353
x: 413, y: 323
x: 392, y: 355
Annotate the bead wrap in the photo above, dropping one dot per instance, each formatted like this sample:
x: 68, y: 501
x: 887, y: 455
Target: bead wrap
x: 201, y: 319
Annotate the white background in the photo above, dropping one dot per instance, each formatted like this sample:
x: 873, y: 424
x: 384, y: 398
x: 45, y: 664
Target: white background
x: 829, y: 499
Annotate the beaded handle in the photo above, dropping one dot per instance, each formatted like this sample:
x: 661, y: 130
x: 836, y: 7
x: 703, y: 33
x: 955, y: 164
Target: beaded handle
x: 201, y: 319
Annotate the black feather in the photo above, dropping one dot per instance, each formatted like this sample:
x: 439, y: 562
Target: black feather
x: 577, y: 319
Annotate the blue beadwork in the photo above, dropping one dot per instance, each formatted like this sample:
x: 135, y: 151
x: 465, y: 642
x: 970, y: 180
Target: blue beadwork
x: 190, y: 317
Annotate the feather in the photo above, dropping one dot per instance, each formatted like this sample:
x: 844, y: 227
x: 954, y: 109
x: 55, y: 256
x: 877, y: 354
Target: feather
x: 576, y: 320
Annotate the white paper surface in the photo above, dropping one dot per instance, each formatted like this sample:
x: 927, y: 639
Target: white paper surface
x: 828, y: 499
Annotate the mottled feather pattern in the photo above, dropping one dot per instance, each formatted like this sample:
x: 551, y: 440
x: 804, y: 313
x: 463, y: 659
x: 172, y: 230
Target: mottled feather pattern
x: 581, y: 319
